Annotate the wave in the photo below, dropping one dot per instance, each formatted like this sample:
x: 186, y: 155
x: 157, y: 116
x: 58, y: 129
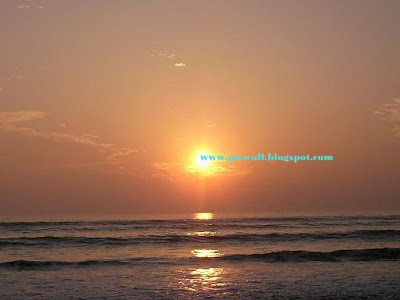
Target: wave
x: 175, y: 238
x: 376, y: 254
x: 333, y: 256
x: 246, y: 223
x: 40, y: 264
x: 190, y: 220
x: 184, y: 225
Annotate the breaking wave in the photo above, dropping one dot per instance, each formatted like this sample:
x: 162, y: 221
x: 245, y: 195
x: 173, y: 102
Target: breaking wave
x: 279, y: 256
x: 175, y: 238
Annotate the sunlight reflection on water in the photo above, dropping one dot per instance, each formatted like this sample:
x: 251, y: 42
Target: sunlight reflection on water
x: 202, y: 279
x: 202, y: 233
x: 206, y: 253
x: 203, y: 216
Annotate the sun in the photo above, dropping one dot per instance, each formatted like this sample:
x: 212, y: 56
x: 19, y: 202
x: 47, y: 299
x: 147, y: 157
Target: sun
x: 202, y: 163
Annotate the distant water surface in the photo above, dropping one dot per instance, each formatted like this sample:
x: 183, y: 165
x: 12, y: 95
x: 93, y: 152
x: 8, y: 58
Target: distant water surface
x: 200, y: 256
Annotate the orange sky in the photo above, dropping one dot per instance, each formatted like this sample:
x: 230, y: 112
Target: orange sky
x: 104, y: 103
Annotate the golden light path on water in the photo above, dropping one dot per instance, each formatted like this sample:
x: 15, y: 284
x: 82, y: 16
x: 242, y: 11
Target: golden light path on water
x: 203, y: 278
x: 201, y: 233
x: 206, y: 253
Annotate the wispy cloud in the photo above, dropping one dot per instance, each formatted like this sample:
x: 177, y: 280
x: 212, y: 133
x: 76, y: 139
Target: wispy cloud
x: 24, y: 6
x: 390, y: 112
x: 166, y: 55
x: 10, y: 122
x: 171, y: 56
x: 214, y: 170
x: 180, y: 65
x: 9, y: 118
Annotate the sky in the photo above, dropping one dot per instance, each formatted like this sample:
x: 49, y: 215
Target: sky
x: 104, y: 106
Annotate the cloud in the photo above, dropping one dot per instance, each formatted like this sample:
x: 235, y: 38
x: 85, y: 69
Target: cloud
x: 171, y: 56
x: 390, y: 112
x: 166, y: 55
x: 9, y: 122
x: 212, y: 125
x: 180, y: 65
x: 24, y: 6
x: 9, y: 118
x: 214, y: 170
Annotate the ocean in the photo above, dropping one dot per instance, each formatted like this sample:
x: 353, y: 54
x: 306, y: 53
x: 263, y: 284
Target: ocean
x: 204, y: 256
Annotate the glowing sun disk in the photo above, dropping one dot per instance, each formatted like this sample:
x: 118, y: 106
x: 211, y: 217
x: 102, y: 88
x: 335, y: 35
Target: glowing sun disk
x: 201, y: 162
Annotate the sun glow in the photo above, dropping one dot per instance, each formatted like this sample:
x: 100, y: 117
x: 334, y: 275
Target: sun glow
x: 200, y: 164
